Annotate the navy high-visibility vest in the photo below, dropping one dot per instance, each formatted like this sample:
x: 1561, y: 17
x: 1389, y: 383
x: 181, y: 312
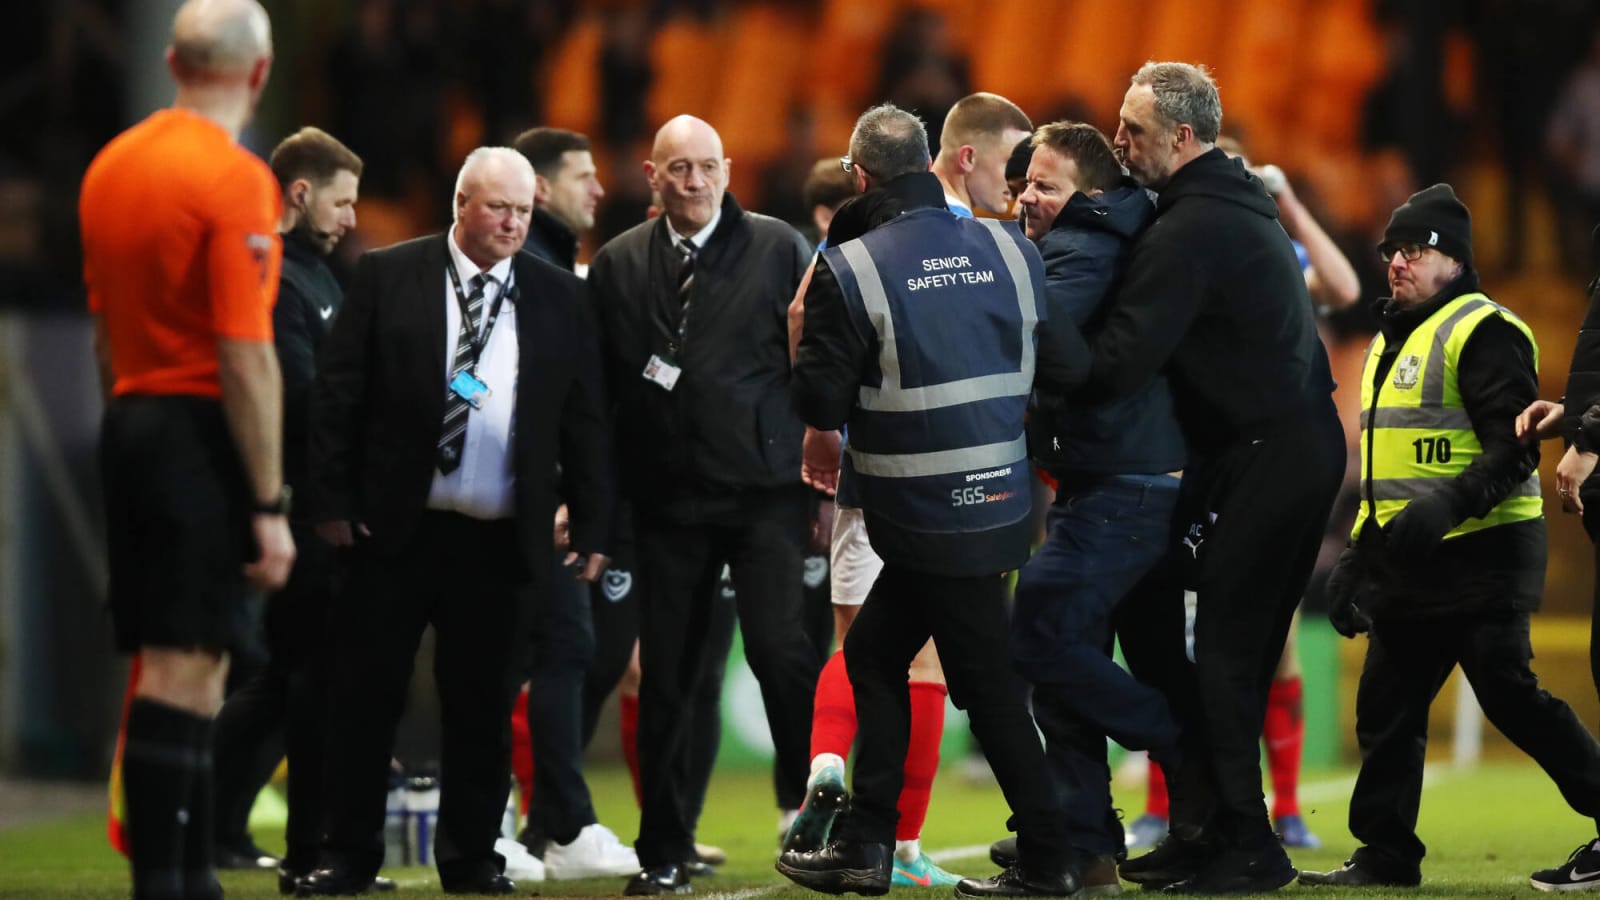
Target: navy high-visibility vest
x: 936, y: 439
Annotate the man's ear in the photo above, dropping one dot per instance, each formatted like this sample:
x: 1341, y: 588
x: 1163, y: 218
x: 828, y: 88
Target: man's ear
x: 1182, y: 135
x: 967, y: 158
x: 541, y: 190
x: 649, y: 167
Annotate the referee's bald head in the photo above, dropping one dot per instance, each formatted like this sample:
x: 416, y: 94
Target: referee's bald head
x: 214, y: 39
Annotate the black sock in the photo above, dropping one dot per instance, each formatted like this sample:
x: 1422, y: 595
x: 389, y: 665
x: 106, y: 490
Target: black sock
x: 199, y: 876
x: 158, y: 766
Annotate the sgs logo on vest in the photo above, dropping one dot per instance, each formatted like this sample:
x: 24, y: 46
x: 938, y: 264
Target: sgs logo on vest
x: 972, y: 496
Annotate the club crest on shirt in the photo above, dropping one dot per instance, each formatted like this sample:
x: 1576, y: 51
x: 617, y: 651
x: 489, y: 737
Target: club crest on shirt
x: 816, y: 571
x: 260, y: 246
x: 1407, y: 370
x: 616, y: 584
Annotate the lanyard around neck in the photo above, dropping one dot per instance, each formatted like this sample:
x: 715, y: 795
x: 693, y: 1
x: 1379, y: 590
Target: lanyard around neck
x: 477, y: 341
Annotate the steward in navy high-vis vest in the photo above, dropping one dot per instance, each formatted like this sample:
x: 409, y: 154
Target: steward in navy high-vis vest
x: 936, y: 440
x: 924, y: 332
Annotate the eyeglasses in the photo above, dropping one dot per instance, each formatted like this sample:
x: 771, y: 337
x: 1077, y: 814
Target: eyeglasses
x: 850, y: 166
x: 1410, y: 252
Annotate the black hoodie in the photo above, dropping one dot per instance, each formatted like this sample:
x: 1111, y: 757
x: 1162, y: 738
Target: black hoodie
x: 1214, y: 295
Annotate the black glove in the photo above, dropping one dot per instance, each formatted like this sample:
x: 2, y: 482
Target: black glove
x: 1342, y: 588
x: 1419, y: 528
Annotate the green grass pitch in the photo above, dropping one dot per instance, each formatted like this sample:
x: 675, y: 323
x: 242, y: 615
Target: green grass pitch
x: 1486, y: 830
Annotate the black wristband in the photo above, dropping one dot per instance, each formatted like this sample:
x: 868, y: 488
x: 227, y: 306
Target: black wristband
x: 277, y: 507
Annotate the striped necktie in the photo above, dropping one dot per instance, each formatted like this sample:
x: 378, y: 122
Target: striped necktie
x: 688, y: 251
x: 454, y: 436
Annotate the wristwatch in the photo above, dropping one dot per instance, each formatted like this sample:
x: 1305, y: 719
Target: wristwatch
x: 277, y: 507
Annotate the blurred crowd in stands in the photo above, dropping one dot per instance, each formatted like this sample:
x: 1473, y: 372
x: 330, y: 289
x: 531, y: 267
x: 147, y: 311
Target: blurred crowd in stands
x: 1361, y: 101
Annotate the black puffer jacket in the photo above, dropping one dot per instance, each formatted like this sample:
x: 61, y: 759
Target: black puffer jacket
x: 1085, y: 252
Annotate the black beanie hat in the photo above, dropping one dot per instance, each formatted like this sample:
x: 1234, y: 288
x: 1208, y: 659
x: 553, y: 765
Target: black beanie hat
x: 1433, y: 217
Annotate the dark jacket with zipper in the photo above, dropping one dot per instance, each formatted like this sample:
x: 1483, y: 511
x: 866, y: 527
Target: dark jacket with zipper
x: 834, y: 356
x: 1085, y: 252
x: 726, y: 429
x: 1497, y: 568
x: 551, y: 240
x: 309, y: 298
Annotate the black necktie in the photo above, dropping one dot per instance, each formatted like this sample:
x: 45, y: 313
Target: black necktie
x: 454, y: 436
x: 688, y: 251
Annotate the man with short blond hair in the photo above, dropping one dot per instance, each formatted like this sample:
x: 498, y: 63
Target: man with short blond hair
x: 979, y: 134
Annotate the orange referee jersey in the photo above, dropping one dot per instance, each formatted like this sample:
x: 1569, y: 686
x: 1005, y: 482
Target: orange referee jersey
x: 180, y: 248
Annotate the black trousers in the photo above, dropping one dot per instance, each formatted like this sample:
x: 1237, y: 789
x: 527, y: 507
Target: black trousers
x: 463, y: 577
x: 280, y: 707
x: 563, y: 652
x: 966, y: 617
x: 1589, y: 491
x: 1407, y: 662
x: 1254, y: 515
x: 679, y: 566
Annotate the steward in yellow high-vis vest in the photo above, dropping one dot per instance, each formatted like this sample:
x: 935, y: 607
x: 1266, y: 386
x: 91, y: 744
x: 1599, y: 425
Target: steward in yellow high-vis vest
x: 1447, y: 557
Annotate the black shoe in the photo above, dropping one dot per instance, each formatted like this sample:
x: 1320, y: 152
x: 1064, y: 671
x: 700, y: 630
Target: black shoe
x: 1581, y: 871
x: 1003, y: 852
x: 333, y: 881
x: 841, y: 867
x: 1355, y: 873
x: 1016, y: 881
x: 288, y: 881
x: 493, y: 884
x: 534, y: 840
x: 1176, y: 858
x: 664, y: 879
x: 244, y: 856
x: 1247, y: 869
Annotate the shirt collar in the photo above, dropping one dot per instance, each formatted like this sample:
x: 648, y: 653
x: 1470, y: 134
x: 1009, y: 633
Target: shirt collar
x: 700, y: 237
x: 467, y: 269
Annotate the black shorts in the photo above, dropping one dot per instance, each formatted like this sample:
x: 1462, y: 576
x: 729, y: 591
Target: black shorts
x: 177, y: 527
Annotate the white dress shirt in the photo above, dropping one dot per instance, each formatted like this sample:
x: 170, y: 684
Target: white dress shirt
x: 699, y: 237
x: 481, y: 487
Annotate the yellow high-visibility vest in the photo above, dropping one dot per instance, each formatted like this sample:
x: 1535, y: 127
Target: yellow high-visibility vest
x: 1415, y: 434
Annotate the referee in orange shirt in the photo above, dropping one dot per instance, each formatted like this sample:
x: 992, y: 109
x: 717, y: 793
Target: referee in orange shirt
x: 181, y: 258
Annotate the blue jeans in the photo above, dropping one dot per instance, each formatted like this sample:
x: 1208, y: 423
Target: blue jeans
x: 1103, y: 539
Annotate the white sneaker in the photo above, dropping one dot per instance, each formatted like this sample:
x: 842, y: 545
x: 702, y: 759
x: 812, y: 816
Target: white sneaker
x: 594, y: 853
x: 520, y: 864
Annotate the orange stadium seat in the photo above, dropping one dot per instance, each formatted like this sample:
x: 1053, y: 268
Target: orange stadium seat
x: 762, y: 66
x: 845, y: 58
x: 1185, y: 30
x: 1343, y: 60
x: 1258, y: 73
x: 572, y: 81
x: 684, y: 83
x: 1000, y: 62
x: 1101, y: 45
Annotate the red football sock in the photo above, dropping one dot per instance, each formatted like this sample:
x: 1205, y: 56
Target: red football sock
x: 922, y: 757
x: 522, y: 749
x: 1155, y: 802
x: 630, y: 741
x: 1285, y: 733
x: 833, y: 712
